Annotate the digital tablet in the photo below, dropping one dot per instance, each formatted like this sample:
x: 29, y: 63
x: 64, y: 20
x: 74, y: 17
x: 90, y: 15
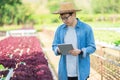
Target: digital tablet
x: 64, y: 48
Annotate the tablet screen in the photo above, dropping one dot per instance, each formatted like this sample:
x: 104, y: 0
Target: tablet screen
x: 64, y: 48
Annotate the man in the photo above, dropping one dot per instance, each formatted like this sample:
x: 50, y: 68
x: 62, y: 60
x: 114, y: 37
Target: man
x: 75, y: 65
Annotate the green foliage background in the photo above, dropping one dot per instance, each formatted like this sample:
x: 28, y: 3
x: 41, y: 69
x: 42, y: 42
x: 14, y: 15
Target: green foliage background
x: 17, y: 12
x: 13, y: 12
x: 98, y: 13
x: 106, y: 6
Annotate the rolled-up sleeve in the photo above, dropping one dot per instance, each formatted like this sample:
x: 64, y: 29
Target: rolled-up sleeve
x: 56, y: 41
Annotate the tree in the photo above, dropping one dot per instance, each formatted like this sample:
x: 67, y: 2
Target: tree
x: 13, y: 12
x: 106, y: 6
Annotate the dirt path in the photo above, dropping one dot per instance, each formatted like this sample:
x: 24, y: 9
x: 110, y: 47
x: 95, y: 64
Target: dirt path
x: 46, y: 39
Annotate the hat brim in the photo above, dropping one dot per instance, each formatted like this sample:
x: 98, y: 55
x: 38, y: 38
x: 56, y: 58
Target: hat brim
x: 66, y: 11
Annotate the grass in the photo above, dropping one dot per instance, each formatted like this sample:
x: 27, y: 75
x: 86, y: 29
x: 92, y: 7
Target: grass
x: 9, y: 27
x: 104, y: 24
x: 110, y: 37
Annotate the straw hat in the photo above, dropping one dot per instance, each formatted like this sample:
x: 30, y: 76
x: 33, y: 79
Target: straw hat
x: 66, y: 7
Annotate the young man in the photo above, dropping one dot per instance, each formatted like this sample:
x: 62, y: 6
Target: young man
x: 75, y: 65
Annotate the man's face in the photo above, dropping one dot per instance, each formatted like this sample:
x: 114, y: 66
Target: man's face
x: 67, y: 18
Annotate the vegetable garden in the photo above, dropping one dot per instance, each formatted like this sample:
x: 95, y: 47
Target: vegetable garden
x: 25, y: 56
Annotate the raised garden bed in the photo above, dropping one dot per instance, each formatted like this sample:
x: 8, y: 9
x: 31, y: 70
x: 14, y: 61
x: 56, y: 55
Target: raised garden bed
x: 25, y: 56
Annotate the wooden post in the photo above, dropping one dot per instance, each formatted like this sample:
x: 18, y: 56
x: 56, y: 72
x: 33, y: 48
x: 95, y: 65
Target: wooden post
x: 101, y: 61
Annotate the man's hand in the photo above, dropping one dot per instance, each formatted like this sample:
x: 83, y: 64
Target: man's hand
x: 75, y: 52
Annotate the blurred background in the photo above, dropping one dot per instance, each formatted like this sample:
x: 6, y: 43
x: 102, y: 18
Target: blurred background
x: 102, y: 15
x: 15, y: 14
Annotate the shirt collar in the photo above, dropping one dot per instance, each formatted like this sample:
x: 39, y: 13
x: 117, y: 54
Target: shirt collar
x: 77, y: 25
